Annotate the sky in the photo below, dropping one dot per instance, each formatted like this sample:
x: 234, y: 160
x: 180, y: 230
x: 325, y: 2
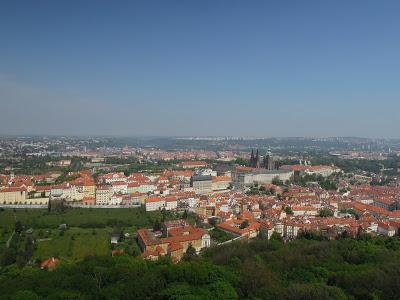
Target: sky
x: 200, y: 68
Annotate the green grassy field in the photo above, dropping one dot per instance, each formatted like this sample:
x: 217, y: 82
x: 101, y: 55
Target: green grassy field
x: 3, y: 239
x: 88, y: 230
x: 74, y: 244
x: 79, y: 217
x: 220, y: 236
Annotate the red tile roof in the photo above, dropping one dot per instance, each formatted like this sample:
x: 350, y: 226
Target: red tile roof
x: 49, y: 263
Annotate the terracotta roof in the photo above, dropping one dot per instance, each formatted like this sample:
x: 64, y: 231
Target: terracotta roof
x: 182, y: 234
x: 12, y: 189
x: 221, y: 178
x: 174, y: 247
x: 147, y: 237
x: 234, y: 226
x: 49, y: 263
x: 193, y: 163
x: 154, y: 199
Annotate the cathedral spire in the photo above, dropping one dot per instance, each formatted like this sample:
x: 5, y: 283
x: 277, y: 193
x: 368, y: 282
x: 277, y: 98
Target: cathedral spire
x: 257, y: 160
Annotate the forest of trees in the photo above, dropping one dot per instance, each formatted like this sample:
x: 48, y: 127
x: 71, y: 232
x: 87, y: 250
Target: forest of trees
x: 307, y: 268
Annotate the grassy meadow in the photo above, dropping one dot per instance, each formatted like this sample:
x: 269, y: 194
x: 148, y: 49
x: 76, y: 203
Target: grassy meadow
x: 74, y: 243
x: 78, y: 217
x: 88, y: 230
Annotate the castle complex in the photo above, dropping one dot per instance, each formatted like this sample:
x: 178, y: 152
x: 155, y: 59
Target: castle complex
x: 267, y: 161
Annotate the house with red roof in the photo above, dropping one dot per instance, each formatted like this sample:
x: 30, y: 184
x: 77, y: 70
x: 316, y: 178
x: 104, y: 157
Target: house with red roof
x: 175, y: 245
x: 49, y: 263
x: 13, y: 195
x: 384, y: 228
x: 240, y: 227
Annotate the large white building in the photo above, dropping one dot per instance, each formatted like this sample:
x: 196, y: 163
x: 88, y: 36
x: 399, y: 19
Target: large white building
x: 103, y: 195
x: 171, y: 203
x: 141, y: 187
x: 154, y: 203
x: 250, y: 176
x: 113, y: 177
x: 119, y: 187
x: 201, y: 184
x: 221, y: 182
x: 67, y: 191
x: 116, y: 199
x: 158, y: 202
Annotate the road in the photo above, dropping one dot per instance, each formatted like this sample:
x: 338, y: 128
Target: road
x: 9, y: 240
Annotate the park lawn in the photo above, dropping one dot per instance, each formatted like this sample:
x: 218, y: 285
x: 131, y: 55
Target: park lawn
x: 5, y: 234
x: 220, y: 236
x: 79, y: 217
x: 78, y: 241
x: 75, y: 244
x: 3, y: 239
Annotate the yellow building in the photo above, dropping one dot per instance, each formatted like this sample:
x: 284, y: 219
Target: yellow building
x: 13, y: 195
x: 89, y: 189
x: 221, y: 183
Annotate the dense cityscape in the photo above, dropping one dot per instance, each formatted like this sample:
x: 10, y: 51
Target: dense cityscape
x: 65, y: 199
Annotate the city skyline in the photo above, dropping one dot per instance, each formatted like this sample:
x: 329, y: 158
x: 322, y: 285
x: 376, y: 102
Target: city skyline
x: 221, y: 68
x: 213, y: 149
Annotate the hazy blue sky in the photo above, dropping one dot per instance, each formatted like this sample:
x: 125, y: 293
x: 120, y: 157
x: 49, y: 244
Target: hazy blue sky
x: 260, y: 68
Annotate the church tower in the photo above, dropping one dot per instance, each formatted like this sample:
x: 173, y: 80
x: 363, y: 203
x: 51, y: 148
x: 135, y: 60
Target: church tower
x: 252, y: 158
x: 257, y: 160
x: 269, y: 162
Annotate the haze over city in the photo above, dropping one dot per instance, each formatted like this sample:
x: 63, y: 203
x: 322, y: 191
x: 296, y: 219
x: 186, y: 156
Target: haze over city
x: 207, y: 68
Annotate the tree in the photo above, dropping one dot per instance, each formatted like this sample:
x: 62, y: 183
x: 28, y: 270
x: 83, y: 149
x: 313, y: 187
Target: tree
x: 25, y: 295
x: 242, y: 162
x: 8, y: 257
x: 29, y: 247
x: 326, y: 213
x: 213, y: 221
x: 288, y: 210
x: 255, y: 269
x: 277, y: 181
x: 18, y: 227
x: 327, y: 185
x: 163, y: 214
x: 222, y: 290
x: 244, y: 224
x: 121, y: 237
x: 257, y: 276
x: 190, y: 253
x: 311, y: 235
x: 275, y: 236
x: 157, y: 225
